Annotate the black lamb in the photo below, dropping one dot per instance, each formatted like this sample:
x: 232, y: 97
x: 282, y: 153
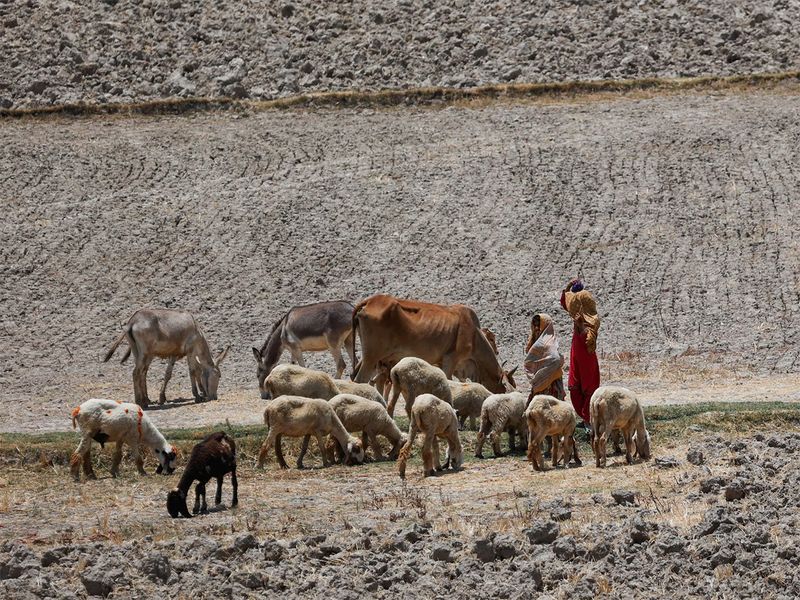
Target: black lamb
x: 213, y: 457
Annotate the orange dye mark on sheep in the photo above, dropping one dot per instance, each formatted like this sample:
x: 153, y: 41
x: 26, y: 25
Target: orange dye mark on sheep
x: 76, y: 411
x: 139, y: 424
x: 126, y: 411
x: 108, y: 411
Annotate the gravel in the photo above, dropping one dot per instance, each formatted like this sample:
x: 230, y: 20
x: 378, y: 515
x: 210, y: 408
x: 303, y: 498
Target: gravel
x: 115, y: 52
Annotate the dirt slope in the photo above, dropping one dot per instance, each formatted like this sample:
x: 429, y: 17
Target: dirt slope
x: 677, y: 211
x: 121, y: 51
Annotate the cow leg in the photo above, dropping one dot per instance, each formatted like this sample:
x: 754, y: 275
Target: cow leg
x: 162, y: 396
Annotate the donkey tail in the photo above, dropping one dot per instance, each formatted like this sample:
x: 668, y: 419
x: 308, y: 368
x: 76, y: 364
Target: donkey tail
x: 116, y: 344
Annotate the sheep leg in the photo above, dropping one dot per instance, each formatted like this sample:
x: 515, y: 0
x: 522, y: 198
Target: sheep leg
x: 218, y: 495
x: 512, y: 443
x: 496, y: 435
x: 554, y: 439
x: 427, y: 454
x: 535, y: 452
x: 264, y: 452
x: 116, y: 459
x: 196, y: 508
x: 548, y: 451
x: 235, y: 484
x: 393, y: 400
x: 377, y: 454
x: 437, y: 464
x: 472, y: 424
x: 321, y: 444
x: 600, y: 451
x: 628, y: 447
x: 200, y: 490
x: 303, y: 450
x: 162, y: 396
x: 137, y: 452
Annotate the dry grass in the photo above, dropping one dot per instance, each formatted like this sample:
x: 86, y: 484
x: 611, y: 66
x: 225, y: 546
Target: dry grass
x: 429, y: 96
x: 41, y: 504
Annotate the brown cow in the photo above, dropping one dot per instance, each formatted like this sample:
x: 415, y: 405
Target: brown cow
x: 448, y: 336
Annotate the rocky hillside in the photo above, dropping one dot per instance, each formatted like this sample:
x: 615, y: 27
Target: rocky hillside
x: 114, y: 51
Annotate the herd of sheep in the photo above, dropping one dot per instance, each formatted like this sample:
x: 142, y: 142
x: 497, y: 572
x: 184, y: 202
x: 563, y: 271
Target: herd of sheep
x: 346, y: 418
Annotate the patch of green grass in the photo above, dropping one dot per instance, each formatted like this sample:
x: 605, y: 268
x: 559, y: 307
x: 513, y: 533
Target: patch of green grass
x: 666, y: 423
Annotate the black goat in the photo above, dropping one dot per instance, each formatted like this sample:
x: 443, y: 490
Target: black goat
x: 212, y: 457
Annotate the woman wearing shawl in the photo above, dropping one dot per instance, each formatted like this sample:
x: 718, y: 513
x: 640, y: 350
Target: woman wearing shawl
x: 584, y: 371
x: 543, y: 364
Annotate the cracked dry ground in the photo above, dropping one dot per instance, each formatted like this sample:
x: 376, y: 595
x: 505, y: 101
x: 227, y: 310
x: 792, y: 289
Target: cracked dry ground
x: 677, y: 210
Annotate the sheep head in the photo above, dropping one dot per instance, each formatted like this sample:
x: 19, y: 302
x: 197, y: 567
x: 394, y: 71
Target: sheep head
x: 643, y: 445
x: 166, y: 460
x: 355, y: 452
x: 176, y: 504
x: 454, y: 460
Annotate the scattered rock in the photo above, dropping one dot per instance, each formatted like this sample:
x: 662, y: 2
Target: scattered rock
x: 542, y: 532
x: 666, y: 462
x: 442, y: 553
x: 156, y: 567
x: 624, y: 497
x: 712, y: 485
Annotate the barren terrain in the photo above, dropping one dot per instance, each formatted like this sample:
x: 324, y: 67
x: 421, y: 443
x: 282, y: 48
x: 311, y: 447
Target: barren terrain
x: 113, y: 51
x: 678, y: 212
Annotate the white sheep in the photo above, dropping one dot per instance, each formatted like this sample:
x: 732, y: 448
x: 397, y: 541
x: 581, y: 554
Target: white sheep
x: 295, y: 416
x: 468, y: 400
x: 502, y: 412
x: 294, y: 380
x: 359, y: 414
x: 121, y: 422
x: 363, y: 390
x: 549, y: 416
x: 435, y: 419
x: 413, y: 376
x: 613, y: 407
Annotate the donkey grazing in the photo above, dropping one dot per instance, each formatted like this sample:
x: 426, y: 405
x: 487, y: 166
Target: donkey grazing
x: 310, y: 328
x: 170, y: 334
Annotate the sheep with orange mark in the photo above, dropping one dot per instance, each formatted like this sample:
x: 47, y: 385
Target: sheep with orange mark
x: 121, y: 422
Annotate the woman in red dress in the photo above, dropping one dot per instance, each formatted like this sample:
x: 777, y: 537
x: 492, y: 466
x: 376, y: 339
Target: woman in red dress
x: 584, y: 370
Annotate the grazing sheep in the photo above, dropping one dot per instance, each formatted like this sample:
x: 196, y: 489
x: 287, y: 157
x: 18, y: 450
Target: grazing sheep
x: 293, y: 380
x: 214, y: 456
x: 359, y: 414
x: 612, y: 408
x: 435, y: 418
x: 364, y: 390
x: 303, y: 417
x: 121, y: 422
x: 467, y: 400
x: 502, y: 412
x: 549, y: 416
x: 413, y: 376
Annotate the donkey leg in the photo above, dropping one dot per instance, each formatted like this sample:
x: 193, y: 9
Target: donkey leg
x: 336, y: 353
x: 162, y: 396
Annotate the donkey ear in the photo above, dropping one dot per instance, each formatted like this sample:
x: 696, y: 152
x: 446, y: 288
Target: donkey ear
x: 257, y: 354
x: 222, y: 356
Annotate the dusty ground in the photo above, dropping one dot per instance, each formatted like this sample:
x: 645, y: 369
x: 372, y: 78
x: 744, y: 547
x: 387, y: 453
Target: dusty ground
x: 709, y: 519
x: 121, y: 51
x: 678, y: 212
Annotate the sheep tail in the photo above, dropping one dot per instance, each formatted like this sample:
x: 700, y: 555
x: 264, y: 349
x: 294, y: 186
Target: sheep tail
x: 116, y: 344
